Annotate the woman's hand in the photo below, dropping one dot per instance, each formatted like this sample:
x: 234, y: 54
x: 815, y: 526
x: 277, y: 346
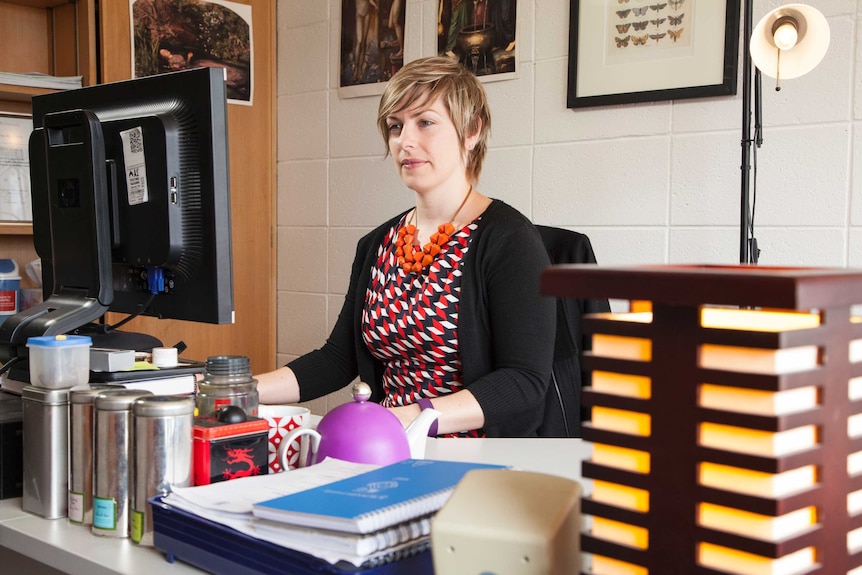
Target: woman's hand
x: 406, y: 413
x: 459, y: 411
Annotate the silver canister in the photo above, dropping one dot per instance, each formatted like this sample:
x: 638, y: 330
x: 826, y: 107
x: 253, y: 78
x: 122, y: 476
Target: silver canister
x: 113, y: 462
x: 81, y: 444
x: 227, y: 381
x: 45, y: 414
x: 164, y: 427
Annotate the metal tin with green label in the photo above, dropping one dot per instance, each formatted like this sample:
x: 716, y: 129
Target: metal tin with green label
x: 163, y: 432
x: 113, y: 462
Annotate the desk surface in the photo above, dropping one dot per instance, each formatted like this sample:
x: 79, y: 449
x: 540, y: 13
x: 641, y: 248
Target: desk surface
x: 74, y: 549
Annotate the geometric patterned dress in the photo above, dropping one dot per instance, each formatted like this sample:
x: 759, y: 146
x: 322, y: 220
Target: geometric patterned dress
x: 410, y: 322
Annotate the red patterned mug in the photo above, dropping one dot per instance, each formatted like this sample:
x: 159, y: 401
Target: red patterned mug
x: 282, y: 419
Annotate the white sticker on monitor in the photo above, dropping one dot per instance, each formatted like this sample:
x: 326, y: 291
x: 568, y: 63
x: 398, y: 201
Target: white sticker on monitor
x: 136, y: 166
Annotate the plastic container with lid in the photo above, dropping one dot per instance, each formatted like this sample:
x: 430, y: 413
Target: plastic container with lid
x: 59, y: 361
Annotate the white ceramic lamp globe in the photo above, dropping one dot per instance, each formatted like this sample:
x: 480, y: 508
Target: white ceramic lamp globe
x: 789, y: 41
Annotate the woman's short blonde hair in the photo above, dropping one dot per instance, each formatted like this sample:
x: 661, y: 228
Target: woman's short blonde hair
x: 430, y: 79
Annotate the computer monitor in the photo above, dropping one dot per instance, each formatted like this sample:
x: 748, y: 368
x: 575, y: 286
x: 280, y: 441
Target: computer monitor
x: 131, y: 204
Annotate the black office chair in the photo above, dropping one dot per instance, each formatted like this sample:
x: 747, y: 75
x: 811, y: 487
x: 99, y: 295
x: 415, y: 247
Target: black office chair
x: 563, y: 409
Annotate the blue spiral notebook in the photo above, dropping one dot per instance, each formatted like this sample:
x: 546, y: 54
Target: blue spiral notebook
x: 373, y: 500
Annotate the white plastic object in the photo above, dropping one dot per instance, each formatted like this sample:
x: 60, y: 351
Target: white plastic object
x: 59, y: 361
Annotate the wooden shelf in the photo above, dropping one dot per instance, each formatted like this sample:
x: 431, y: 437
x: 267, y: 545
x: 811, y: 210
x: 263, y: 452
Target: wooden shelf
x: 16, y: 99
x: 22, y: 93
x: 16, y: 228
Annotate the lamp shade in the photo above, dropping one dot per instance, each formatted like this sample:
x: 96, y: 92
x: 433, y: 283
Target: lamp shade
x: 777, y: 29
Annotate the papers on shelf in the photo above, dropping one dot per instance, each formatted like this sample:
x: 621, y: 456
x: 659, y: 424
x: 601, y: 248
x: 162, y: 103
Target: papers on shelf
x: 36, y: 80
x: 15, y: 204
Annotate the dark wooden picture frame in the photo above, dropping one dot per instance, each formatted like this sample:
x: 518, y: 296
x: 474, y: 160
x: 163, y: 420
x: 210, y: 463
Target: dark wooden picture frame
x: 627, y: 51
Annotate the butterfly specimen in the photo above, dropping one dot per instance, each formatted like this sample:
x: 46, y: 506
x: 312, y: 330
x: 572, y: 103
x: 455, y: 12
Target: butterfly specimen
x: 675, y: 34
x: 640, y: 40
x: 657, y: 7
x: 640, y: 25
x: 622, y: 42
x: 658, y: 22
x: 623, y: 28
x: 675, y: 4
x: 675, y: 20
x: 623, y: 13
x: 657, y: 37
x: 640, y: 11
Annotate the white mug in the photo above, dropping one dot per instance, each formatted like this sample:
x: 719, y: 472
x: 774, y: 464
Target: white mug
x: 298, y: 456
x: 282, y: 421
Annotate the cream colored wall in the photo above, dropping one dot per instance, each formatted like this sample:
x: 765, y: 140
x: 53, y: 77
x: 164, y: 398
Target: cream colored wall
x: 650, y: 183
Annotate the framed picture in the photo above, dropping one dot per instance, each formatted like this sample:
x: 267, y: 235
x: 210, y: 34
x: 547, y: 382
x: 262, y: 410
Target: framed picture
x: 481, y: 35
x: 372, y: 45
x: 624, y: 51
x: 171, y: 35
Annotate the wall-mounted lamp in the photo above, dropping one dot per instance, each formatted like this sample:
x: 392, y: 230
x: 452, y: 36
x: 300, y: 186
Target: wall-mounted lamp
x: 787, y: 43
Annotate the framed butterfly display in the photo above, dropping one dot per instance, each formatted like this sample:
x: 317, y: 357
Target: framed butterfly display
x: 628, y: 51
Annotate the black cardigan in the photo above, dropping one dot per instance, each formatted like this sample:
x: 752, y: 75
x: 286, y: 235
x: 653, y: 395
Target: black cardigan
x: 506, y: 328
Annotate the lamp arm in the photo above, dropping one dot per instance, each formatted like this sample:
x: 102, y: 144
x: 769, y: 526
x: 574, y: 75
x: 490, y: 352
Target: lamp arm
x: 745, y: 141
x: 758, y: 110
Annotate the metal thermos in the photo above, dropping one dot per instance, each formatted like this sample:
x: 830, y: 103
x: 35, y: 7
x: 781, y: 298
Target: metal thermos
x: 164, y: 426
x: 81, y: 418
x: 227, y: 381
x: 113, y: 461
x: 46, y: 446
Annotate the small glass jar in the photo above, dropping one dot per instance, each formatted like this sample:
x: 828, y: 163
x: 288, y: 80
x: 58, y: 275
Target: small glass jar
x: 227, y: 381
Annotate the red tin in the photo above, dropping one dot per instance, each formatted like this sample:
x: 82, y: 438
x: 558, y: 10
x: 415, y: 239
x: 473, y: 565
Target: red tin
x: 224, y: 451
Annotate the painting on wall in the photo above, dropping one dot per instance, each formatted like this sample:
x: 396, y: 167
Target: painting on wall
x: 481, y: 34
x: 372, y: 45
x: 171, y: 35
x: 625, y: 51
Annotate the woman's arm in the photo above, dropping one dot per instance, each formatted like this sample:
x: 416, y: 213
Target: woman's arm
x: 335, y: 364
x: 516, y: 344
x: 278, y: 387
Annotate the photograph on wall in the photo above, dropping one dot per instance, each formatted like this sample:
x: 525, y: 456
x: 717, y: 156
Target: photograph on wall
x: 372, y: 45
x: 480, y: 34
x: 15, y: 203
x: 625, y: 51
x: 172, y: 35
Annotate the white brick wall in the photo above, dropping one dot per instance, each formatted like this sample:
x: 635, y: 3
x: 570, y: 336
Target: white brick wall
x: 650, y: 183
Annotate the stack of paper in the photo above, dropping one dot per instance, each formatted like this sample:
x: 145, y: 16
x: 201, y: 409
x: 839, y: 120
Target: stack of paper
x: 36, y: 80
x: 334, y: 510
x: 378, y: 512
x: 230, y: 502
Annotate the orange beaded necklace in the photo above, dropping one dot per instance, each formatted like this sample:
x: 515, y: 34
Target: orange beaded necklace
x: 412, y: 258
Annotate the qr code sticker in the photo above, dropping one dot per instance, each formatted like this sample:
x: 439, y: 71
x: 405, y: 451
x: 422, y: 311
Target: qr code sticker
x: 136, y: 142
x: 136, y: 165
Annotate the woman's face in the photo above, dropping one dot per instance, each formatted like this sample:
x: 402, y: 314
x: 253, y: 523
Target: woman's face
x: 424, y: 144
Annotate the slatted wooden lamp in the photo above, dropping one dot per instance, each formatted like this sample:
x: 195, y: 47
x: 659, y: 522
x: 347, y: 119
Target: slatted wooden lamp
x: 726, y: 419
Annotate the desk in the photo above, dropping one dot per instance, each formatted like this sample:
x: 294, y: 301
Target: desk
x: 56, y: 544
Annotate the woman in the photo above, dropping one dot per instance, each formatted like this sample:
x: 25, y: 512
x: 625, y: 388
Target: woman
x: 457, y: 324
